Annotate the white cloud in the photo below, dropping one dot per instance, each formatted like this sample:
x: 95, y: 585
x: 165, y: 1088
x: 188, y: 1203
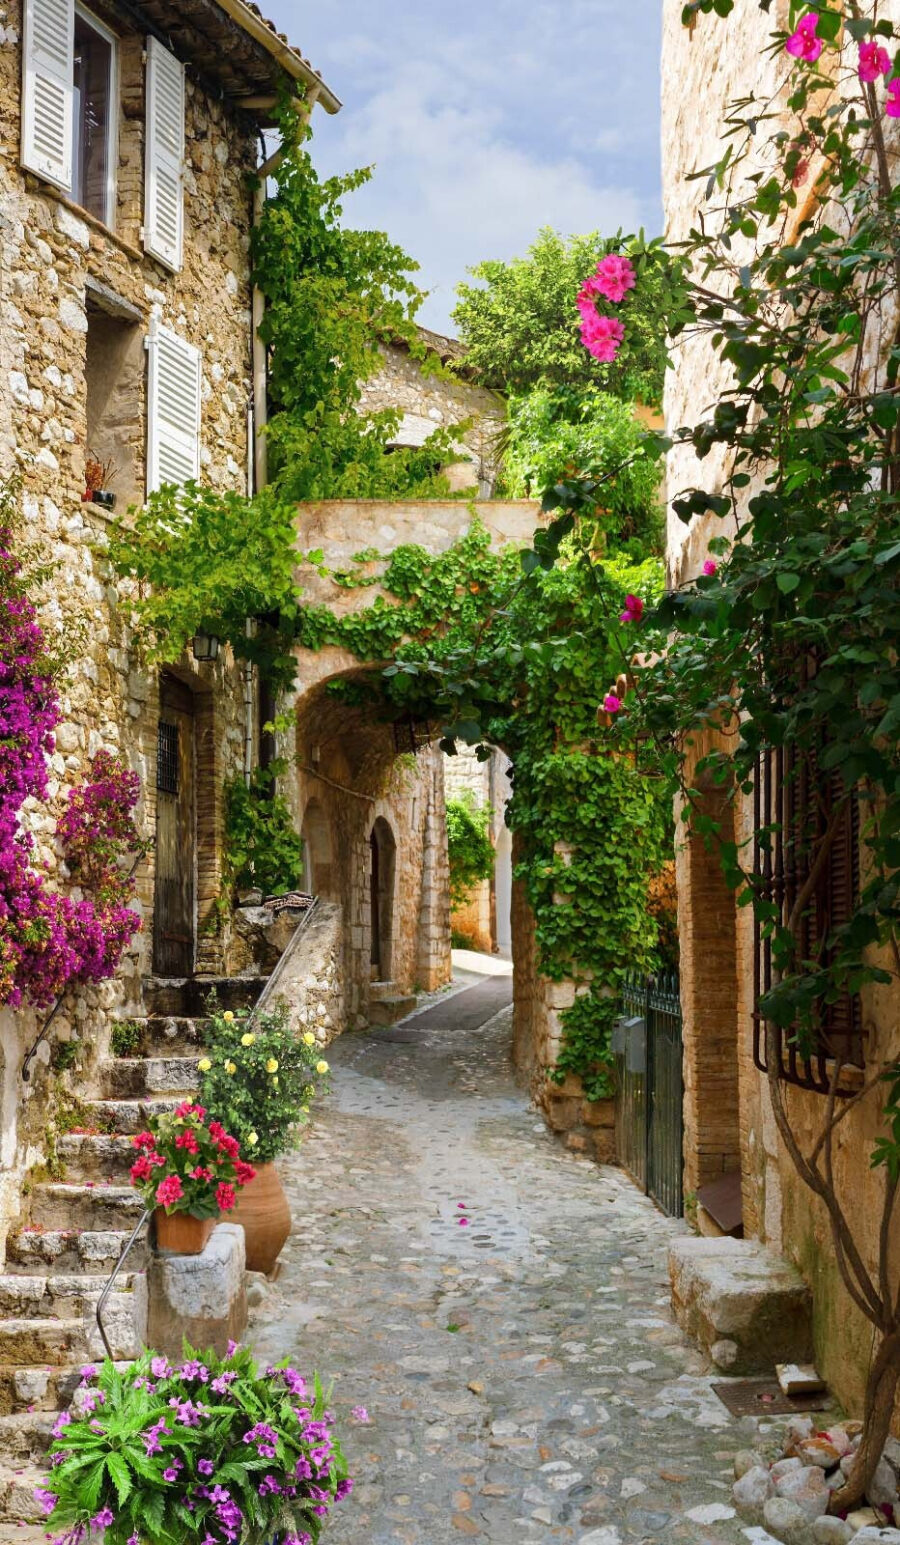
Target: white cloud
x: 487, y: 119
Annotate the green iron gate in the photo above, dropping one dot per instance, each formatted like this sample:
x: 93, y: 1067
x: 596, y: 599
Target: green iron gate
x: 650, y: 1089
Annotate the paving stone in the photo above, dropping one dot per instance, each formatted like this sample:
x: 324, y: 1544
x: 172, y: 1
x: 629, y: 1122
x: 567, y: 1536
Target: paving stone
x: 524, y: 1376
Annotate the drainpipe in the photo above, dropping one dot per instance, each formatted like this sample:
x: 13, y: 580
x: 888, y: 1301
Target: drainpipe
x: 248, y: 709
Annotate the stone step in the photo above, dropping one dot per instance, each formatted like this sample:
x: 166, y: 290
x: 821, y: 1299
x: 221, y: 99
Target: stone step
x: 64, y: 1251
x: 17, y: 1504
x: 170, y: 1035
x: 62, y: 1295
x: 96, y: 1158
x: 129, y: 1116
x: 27, y: 1391
x: 22, y: 1534
x: 387, y: 1011
x: 130, y: 1078
x: 188, y: 996
x: 746, y: 1307
x: 25, y: 1438
x: 54, y: 1342
x: 58, y: 1205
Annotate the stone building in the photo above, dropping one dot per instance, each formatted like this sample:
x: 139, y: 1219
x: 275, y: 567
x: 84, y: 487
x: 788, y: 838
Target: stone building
x: 729, y: 1126
x: 129, y: 138
x: 484, y: 919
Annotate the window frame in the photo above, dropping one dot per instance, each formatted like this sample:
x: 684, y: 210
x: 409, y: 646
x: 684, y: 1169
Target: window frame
x: 110, y: 37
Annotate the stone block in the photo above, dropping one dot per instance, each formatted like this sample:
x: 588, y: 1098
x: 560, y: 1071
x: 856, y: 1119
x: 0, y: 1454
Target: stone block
x: 605, y: 1145
x: 562, y: 1111
x: 199, y: 1297
x: 736, y: 1290
x: 598, y: 1113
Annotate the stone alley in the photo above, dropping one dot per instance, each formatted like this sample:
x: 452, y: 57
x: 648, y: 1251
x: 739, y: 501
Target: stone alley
x: 523, y: 1375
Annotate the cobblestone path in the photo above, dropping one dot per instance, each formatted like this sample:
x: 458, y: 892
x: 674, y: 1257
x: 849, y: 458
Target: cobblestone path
x: 524, y: 1377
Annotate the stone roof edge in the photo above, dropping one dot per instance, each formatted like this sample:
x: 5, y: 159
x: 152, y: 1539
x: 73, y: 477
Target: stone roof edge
x: 251, y: 20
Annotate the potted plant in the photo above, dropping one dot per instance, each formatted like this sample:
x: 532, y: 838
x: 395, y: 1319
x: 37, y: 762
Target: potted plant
x: 208, y: 1449
x: 189, y: 1172
x: 97, y: 477
x: 258, y: 1078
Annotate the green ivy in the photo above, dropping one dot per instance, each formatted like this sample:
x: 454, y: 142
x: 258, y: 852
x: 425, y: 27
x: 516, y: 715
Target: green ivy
x: 470, y: 847
x: 262, y: 848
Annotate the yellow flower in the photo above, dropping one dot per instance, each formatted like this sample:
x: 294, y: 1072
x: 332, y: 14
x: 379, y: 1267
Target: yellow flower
x: 228, y: 1017
x: 309, y: 1039
x: 252, y: 1139
x: 304, y: 1110
x: 248, y: 1039
x: 272, y: 1065
x: 275, y: 1082
x: 322, y: 1066
x: 230, y: 1067
x: 204, y: 1065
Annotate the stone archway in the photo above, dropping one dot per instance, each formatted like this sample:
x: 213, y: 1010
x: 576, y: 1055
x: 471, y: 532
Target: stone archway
x: 382, y: 880
x: 318, y: 852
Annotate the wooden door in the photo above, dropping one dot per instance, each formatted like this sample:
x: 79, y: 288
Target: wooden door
x: 173, y: 912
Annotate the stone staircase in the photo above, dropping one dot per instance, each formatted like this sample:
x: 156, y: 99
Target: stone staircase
x: 387, y: 1004
x: 75, y: 1228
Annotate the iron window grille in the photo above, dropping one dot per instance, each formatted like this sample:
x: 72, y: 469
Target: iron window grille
x: 796, y: 802
x: 167, y: 757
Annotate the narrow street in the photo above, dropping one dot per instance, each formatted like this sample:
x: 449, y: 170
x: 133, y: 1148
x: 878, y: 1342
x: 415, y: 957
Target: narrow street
x: 523, y: 1376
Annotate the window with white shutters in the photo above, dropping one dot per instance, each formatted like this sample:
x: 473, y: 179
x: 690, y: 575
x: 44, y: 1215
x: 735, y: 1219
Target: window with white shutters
x: 47, y: 90
x: 164, y: 156
x: 173, y: 410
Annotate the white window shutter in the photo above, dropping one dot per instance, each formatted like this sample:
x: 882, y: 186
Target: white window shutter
x: 173, y: 410
x: 164, y: 156
x: 48, y: 89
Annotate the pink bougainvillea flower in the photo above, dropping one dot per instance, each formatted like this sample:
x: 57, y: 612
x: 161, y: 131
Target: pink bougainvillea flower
x: 602, y: 336
x: 462, y: 1206
x: 611, y: 703
x: 169, y: 1191
x: 892, y: 105
x: 614, y: 277
x: 710, y: 567
x: 634, y: 609
x: 463, y: 1222
x: 873, y: 62
x: 803, y: 43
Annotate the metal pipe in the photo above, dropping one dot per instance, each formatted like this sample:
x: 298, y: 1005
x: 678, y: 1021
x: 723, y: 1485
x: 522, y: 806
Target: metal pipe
x: 101, y: 1301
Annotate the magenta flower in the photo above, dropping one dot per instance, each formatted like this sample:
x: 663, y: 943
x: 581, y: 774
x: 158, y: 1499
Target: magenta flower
x: 602, y: 336
x: 634, y: 609
x: 710, y: 567
x: 103, y: 1519
x: 360, y: 1414
x: 611, y: 703
x: 614, y: 277
x: 463, y: 1222
x: 892, y: 104
x: 462, y: 1206
x: 46, y: 1500
x: 803, y: 43
x: 873, y: 62
x: 169, y: 1191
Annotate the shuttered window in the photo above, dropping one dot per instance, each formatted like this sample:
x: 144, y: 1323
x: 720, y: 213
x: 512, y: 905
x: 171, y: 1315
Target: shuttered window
x: 797, y: 799
x: 47, y: 90
x: 164, y: 156
x: 173, y: 410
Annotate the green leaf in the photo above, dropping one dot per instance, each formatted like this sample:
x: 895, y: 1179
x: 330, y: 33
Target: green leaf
x: 787, y: 582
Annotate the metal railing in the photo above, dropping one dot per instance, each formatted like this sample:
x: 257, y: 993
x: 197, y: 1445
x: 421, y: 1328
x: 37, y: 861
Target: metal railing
x: 647, y: 1045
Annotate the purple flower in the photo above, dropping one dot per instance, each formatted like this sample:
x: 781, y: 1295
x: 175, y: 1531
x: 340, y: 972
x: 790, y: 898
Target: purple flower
x: 344, y: 1489
x: 195, y: 1370
x: 160, y: 1368
x: 171, y: 1471
x: 88, y: 1372
x: 46, y: 1500
x: 360, y: 1414
x: 62, y: 1422
x: 205, y: 1467
x: 103, y: 1519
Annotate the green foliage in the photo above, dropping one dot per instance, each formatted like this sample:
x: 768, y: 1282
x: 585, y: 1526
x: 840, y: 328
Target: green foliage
x: 516, y: 654
x: 554, y: 430
x: 125, y: 1039
x: 521, y: 329
x: 471, y: 849
x: 264, y: 1101
x: 263, y: 850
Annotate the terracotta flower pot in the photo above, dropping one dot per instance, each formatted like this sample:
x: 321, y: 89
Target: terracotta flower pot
x: 180, y: 1233
x: 265, y: 1217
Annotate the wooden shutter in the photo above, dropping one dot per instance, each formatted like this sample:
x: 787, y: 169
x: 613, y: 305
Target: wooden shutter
x: 164, y: 156
x: 48, y: 89
x: 173, y: 410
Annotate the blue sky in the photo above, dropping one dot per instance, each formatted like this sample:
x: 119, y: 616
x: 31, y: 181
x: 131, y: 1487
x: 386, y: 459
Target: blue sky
x: 486, y: 120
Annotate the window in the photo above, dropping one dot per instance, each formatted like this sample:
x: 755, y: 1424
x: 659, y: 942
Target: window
x: 94, y: 104
x: 797, y: 800
x: 173, y: 409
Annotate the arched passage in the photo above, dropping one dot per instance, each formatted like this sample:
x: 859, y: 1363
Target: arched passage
x: 318, y: 852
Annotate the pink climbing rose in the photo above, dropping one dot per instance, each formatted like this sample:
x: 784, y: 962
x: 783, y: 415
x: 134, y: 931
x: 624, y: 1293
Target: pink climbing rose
x: 803, y: 43
x: 614, y: 277
x: 710, y: 567
x: 601, y: 336
x: 873, y: 62
x: 611, y: 703
x: 634, y: 609
x: 892, y: 105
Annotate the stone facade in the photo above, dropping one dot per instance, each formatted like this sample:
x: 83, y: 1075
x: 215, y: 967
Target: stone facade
x: 728, y: 1117
x: 439, y: 400
x: 484, y: 918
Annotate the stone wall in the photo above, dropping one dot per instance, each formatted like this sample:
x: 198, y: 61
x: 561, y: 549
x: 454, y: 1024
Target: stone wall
x: 76, y: 304
x: 727, y: 1106
x: 438, y: 400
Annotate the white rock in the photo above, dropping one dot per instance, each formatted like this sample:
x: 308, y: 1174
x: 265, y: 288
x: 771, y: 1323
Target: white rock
x: 832, y: 1531
x: 73, y: 316
x: 710, y: 1513
x: 751, y: 1493
x: 785, y: 1466
x: 874, y: 1536
x: 786, y: 1520
x: 808, y: 1488
x: 747, y: 1459
x: 882, y: 1488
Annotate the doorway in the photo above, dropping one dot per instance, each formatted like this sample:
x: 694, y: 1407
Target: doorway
x: 174, y: 898
x: 383, y: 857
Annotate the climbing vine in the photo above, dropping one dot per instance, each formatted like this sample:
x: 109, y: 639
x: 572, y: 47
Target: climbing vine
x: 263, y: 850
x: 470, y: 847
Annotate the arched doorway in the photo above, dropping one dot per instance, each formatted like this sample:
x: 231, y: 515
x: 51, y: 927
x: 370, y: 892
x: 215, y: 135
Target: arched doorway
x: 383, y: 865
x: 318, y: 853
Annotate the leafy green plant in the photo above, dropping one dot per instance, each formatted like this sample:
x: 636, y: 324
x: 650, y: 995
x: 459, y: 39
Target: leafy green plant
x: 262, y: 847
x: 187, y: 1166
x: 208, y: 1448
x: 471, y: 849
x: 258, y: 1078
x: 125, y: 1038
